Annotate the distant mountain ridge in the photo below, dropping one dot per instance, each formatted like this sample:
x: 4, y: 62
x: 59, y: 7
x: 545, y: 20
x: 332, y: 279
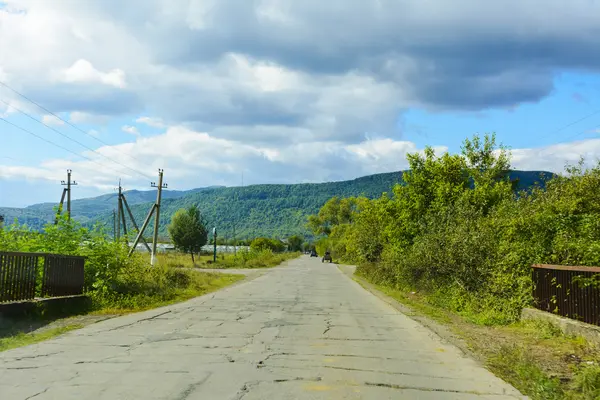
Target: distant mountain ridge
x: 276, y: 210
x: 87, y: 209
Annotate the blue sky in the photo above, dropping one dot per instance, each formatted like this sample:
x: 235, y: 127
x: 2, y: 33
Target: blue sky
x: 286, y: 91
x: 539, y: 124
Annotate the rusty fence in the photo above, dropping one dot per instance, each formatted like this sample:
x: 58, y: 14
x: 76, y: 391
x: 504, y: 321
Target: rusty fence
x: 27, y: 276
x: 568, y: 291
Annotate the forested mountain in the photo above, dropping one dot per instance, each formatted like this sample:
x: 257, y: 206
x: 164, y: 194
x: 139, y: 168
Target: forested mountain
x: 274, y: 210
x: 85, y: 210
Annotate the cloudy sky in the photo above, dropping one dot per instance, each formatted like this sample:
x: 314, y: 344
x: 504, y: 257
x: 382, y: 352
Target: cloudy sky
x: 285, y: 90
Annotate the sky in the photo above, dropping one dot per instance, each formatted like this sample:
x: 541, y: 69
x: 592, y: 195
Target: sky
x: 284, y: 91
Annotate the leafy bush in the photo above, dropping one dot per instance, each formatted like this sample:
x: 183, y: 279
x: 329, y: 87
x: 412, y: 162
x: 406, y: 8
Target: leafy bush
x: 457, y: 230
x: 263, y: 243
x: 112, y: 278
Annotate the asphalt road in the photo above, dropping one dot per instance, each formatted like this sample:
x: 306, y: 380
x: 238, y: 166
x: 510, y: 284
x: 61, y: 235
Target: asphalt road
x: 301, y: 331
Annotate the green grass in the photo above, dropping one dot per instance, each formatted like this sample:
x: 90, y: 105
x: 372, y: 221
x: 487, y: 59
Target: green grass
x: 513, y: 364
x: 180, y: 285
x: 183, y: 285
x: 24, y: 339
x: 242, y: 260
x: 411, y: 299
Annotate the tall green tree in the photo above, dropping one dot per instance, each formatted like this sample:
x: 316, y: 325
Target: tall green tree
x: 295, y: 243
x: 263, y: 243
x: 188, y: 231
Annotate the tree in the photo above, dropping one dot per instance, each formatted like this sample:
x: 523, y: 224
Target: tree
x: 334, y: 212
x: 263, y: 243
x: 188, y: 231
x: 295, y: 243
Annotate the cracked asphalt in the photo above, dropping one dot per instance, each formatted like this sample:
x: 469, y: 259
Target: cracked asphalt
x: 300, y: 331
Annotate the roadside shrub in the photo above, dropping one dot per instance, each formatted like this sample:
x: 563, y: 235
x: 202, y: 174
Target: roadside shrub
x: 456, y: 230
x: 262, y: 243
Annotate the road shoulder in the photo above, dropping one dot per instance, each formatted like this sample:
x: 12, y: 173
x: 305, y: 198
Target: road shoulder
x: 533, y: 356
x: 443, y: 331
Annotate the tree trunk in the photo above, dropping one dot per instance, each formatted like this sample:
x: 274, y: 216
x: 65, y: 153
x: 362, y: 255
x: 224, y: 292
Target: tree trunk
x: 192, y: 253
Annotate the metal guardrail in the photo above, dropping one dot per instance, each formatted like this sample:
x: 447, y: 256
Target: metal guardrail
x: 557, y: 289
x: 26, y: 276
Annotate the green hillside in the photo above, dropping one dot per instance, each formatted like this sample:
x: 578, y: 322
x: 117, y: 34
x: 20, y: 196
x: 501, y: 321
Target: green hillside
x: 85, y: 210
x: 280, y: 210
x: 257, y: 210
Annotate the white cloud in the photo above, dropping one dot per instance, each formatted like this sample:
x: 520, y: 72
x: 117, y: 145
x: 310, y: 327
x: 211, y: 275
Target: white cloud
x: 52, y: 120
x: 195, y: 159
x: 132, y: 130
x: 554, y: 158
x: 192, y: 159
x: 82, y: 71
x: 78, y: 117
x: 150, y: 121
x: 287, y: 89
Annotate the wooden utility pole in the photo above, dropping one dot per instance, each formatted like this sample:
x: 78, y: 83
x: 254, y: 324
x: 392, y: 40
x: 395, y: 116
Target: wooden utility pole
x: 160, y: 187
x: 68, y: 184
x: 155, y: 210
x: 119, y: 210
x: 60, y: 205
x: 215, y: 244
x: 133, y: 221
x: 121, y: 213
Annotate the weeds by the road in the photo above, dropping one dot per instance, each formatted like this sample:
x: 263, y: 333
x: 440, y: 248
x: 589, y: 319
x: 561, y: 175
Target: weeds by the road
x: 20, y: 339
x: 178, y: 285
x: 534, y: 356
x: 243, y: 259
x: 174, y: 285
x: 115, y: 282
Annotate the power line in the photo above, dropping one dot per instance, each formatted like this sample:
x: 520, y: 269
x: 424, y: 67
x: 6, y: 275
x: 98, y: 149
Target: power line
x: 579, y: 134
x: 73, y: 140
x: 56, y: 145
x: 66, y: 122
x: 570, y: 124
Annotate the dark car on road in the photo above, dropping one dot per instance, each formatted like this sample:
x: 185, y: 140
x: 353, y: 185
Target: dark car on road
x: 327, y: 257
x: 313, y: 253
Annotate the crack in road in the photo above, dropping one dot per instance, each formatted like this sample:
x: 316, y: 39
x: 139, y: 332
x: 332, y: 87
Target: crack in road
x: 266, y: 339
x: 245, y: 389
x: 35, y: 356
x: 37, y: 394
x: 138, y: 321
x: 191, y: 388
x: 328, y: 326
x: 424, y: 389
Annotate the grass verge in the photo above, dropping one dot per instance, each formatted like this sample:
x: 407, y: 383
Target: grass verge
x: 534, y: 356
x: 179, y: 285
x: 23, y: 339
x: 182, y: 285
x: 243, y: 259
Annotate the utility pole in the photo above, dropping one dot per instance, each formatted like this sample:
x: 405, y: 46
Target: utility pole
x: 115, y: 225
x: 214, y: 244
x: 123, y: 216
x: 60, y: 205
x: 234, y: 242
x: 68, y: 184
x: 121, y: 213
x: 160, y: 187
x: 119, y: 210
x: 155, y: 207
x: 124, y: 199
